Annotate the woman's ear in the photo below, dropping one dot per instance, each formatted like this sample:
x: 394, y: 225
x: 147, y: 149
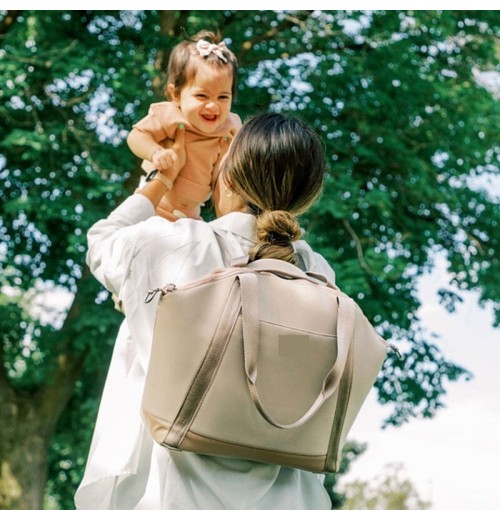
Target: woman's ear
x: 172, y: 93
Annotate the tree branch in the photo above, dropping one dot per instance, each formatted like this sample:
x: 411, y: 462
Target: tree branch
x: 288, y: 21
x: 5, y: 384
x: 171, y: 25
x: 80, y: 138
x: 43, y: 59
x: 180, y: 24
x: 359, y: 247
x: 245, y: 59
x: 54, y: 393
x: 8, y: 21
x: 52, y: 398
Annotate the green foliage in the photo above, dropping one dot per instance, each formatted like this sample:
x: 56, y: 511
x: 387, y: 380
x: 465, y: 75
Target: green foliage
x: 19, y: 342
x: 390, y: 491
x: 409, y: 135
x: 414, y: 383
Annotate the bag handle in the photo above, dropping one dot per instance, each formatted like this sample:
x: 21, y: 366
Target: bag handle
x: 251, y: 347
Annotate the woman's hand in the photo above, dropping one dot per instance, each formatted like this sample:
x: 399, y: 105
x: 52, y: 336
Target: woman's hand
x: 171, y: 159
x: 179, y: 148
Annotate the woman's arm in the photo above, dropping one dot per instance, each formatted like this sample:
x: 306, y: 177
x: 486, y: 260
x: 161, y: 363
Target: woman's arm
x: 112, y: 241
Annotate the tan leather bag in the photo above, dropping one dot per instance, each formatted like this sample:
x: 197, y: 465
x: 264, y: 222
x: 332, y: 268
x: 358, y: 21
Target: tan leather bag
x: 261, y: 362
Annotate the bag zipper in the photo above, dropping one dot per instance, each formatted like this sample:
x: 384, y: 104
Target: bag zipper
x: 223, y: 272
x: 170, y: 287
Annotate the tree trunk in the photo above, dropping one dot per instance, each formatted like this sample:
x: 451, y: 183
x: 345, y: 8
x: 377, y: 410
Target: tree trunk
x: 171, y: 25
x: 28, y: 422
x: 23, y: 445
x: 28, y: 419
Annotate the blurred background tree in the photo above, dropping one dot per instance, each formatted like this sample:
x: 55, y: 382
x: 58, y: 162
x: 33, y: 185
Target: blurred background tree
x: 391, y: 490
x: 411, y: 137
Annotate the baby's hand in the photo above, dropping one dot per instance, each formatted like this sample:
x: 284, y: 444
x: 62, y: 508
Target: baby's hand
x: 163, y: 159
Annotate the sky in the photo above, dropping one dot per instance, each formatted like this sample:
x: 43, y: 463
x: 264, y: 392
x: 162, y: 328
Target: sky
x: 452, y: 459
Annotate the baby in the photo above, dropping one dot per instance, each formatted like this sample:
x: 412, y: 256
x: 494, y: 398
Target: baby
x: 201, y: 83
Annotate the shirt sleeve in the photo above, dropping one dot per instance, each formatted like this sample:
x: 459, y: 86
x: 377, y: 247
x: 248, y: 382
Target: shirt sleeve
x: 234, y: 122
x: 112, y: 241
x: 161, y: 121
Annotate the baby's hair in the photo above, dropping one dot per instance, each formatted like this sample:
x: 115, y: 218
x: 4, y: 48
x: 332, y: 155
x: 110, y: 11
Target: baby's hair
x: 182, y: 62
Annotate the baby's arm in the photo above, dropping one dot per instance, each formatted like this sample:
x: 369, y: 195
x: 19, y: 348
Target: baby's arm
x: 144, y: 146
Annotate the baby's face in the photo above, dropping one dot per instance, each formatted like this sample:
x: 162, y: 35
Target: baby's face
x: 205, y: 101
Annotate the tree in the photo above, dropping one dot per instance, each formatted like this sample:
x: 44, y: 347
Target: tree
x: 391, y: 490
x: 408, y: 133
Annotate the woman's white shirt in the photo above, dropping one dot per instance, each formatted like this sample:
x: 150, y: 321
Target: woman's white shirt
x: 131, y: 252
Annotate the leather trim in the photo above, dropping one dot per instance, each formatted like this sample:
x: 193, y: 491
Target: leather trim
x: 207, y: 370
x: 333, y: 457
x: 196, y: 443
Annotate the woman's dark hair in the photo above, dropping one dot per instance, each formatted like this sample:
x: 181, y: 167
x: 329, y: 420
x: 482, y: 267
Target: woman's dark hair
x: 276, y: 165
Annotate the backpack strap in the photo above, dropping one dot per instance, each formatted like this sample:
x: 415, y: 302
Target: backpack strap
x: 207, y: 370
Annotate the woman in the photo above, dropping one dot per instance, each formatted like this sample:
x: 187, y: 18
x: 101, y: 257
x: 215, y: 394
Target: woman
x: 273, y: 172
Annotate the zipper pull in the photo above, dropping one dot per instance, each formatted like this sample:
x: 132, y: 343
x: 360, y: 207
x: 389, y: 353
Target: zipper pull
x: 170, y: 287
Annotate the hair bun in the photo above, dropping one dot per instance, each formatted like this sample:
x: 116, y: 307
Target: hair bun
x: 276, y: 230
x: 277, y: 227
